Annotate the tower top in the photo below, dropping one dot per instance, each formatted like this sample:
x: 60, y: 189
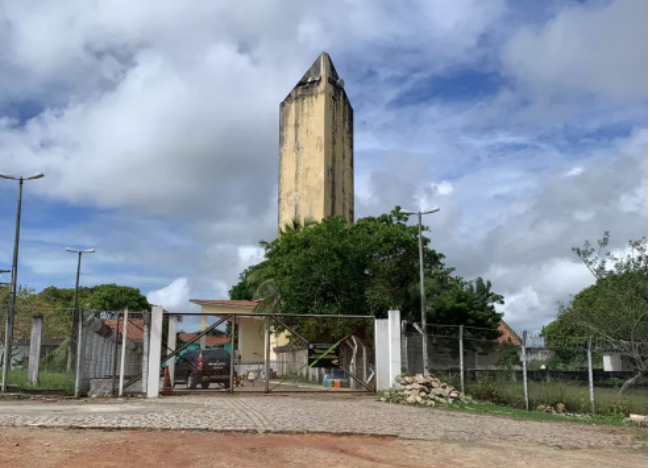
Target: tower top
x: 322, y: 70
x: 323, y: 66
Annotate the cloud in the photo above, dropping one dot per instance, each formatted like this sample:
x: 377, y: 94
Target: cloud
x: 517, y: 227
x: 595, y: 47
x: 156, y: 126
x: 173, y: 297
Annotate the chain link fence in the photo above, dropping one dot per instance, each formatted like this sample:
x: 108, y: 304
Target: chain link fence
x: 558, y: 374
x: 49, y: 356
x: 40, y: 350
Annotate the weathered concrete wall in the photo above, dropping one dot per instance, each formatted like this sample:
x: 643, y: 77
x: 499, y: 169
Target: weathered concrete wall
x: 316, y: 177
x: 35, y: 349
x: 100, y: 355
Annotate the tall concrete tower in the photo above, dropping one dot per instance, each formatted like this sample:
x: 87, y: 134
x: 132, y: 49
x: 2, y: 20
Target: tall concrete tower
x: 316, y: 148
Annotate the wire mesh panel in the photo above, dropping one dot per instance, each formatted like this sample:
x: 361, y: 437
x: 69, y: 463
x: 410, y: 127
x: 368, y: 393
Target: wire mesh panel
x: 40, y: 350
x: 561, y: 374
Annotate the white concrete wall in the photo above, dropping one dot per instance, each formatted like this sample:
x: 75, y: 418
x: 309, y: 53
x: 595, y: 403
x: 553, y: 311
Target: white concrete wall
x: 614, y: 362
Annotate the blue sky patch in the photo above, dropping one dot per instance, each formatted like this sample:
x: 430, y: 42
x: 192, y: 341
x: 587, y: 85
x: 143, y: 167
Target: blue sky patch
x: 464, y: 85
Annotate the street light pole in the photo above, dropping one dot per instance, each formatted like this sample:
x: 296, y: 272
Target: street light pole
x: 75, y: 312
x: 423, y: 308
x: 9, y: 330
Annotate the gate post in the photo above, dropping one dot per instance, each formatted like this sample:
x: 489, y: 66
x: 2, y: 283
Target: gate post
x: 155, y: 342
x: 388, y: 350
x: 171, y: 346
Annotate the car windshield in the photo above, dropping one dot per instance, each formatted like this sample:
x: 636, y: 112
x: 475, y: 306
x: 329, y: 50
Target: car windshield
x: 214, y: 353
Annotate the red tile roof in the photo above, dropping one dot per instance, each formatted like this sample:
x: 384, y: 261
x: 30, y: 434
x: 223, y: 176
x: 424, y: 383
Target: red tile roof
x: 209, y: 340
x: 219, y: 302
x: 134, y: 331
x: 508, y: 334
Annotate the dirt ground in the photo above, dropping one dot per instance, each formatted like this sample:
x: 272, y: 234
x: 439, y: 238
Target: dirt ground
x: 57, y: 448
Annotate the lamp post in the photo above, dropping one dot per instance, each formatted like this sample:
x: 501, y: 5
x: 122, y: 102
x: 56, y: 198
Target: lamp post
x: 423, y: 309
x: 75, y: 312
x: 9, y: 330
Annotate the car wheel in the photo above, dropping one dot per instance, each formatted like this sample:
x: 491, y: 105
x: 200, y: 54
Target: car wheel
x: 191, y: 381
x: 205, y: 384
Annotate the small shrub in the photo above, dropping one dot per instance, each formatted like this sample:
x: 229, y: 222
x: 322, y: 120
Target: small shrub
x: 485, y: 391
x: 619, y: 408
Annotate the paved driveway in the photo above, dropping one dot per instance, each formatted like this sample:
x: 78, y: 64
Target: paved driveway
x: 308, y: 413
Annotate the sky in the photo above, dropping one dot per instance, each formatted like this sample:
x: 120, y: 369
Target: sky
x: 156, y: 125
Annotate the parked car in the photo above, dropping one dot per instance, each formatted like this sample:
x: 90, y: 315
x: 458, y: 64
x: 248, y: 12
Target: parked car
x: 202, y: 367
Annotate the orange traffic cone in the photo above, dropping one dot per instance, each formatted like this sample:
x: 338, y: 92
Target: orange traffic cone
x: 167, y: 383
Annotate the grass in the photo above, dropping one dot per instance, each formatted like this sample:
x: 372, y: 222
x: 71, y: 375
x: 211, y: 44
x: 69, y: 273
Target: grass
x: 574, y: 397
x: 48, y: 381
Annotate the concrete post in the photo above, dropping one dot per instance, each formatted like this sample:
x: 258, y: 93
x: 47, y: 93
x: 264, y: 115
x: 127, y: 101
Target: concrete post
x: 204, y: 325
x: 524, y: 368
x: 125, y: 339
x: 155, y: 341
x: 388, y: 350
x: 395, y: 344
x: 267, y: 354
x: 590, y: 369
x: 461, y: 362
x: 240, y: 338
x: 78, y: 374
x: 35, y: 349
x: 171, y: 346
x: 405, y: 360
x: 233, y: 330
x: 145, y: 351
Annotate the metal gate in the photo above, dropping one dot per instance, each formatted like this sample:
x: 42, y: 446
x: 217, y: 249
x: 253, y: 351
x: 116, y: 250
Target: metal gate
x: 285, y: 353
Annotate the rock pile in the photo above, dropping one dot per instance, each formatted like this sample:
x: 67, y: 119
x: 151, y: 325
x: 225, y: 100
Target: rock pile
x: 424, y: 390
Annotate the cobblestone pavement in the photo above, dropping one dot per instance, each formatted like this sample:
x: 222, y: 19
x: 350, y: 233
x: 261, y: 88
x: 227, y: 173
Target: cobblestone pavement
x: 351, y: 415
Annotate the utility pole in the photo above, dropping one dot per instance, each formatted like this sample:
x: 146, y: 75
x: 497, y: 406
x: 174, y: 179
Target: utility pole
x: 423, y: 307
x: 75, y: 312
x: 9, y: 331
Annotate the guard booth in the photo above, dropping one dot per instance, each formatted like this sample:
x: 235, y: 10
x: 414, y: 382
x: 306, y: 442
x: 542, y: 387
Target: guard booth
x: 285, y: 352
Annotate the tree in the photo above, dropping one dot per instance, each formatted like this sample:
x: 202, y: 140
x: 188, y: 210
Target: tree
x: 614, y: 310
x: 455, y: 301
x: 567, y: 339
x: 56, y: 320
x: 242, y: 291
x: 111, y: 297
x: 64, y: 297
x: 469, y: 303
x: 334, y: 268
x: 392, y: 248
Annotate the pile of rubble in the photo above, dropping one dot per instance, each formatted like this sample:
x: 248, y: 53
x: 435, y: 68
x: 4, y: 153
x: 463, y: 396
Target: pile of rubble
x: 560, y: 410
x: 424, y: 390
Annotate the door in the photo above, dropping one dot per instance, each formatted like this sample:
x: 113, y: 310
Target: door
x: 182, y: 366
